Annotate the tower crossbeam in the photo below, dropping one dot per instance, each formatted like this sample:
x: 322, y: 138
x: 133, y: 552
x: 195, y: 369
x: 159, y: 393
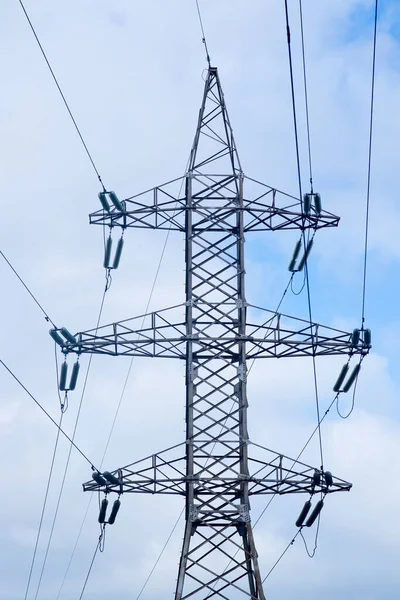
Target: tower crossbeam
x: 165, y: 473
x: 158, y: 334
x: 214, y: 208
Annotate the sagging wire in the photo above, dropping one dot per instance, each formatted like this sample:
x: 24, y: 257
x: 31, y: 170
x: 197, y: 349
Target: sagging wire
x: 203, y: 34
x: 346, y: 416
x: 46, y: 316
x: 308, y: 244
x: 63, y: 408
x: 47, y: 414
x: 161, y: 553
x: 369, y: 167
x: 64, y: 402
x: 44, y: 506
x: 314, y: 550
x: 281, y: 556
x: 362, y: 330
x: 98, y: 546
x: 69, y: 453
x: 275, y: 313
x: 122, y: 391
x: 301, y: 288
x: 61, y: 93
x: 292, y: 541
x: 273, y: 496
x: 306, y: 95
x: 304, y: 242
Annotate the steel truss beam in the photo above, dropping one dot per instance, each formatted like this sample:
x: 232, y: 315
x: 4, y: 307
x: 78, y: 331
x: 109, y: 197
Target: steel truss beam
x: 215, y: 331
x: 214, y: 208
x: 278, y: 336
x: 165, y: 473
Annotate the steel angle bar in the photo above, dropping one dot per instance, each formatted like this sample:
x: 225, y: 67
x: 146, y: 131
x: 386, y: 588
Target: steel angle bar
x: 158, y: 474
x: 150, y: 334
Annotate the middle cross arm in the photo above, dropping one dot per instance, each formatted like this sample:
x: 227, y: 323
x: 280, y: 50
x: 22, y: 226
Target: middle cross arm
x: 269, y: 473
x: 163, y: 334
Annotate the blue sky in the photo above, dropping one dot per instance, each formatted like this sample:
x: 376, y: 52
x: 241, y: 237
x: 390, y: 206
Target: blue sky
x: 132, y: 74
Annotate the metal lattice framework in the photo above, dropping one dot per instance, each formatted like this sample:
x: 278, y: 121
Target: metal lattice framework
x: 212, y: 469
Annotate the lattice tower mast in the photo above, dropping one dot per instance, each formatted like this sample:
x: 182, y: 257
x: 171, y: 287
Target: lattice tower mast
x: 212, y: 468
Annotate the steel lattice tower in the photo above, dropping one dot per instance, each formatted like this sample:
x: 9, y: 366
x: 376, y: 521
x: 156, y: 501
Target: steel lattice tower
x: 213, y: 469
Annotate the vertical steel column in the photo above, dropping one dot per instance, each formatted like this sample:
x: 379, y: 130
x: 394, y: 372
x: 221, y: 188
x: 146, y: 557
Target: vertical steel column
x: 218, y: 529
x: 189, y: 391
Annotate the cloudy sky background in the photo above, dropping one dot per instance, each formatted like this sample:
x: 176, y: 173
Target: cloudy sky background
x: 132, y: 74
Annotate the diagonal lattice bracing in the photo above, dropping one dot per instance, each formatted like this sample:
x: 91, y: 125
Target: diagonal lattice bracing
x: 214, y: 332
x: 263, y: 208
x: 215, y: 470
x: 217, y: 473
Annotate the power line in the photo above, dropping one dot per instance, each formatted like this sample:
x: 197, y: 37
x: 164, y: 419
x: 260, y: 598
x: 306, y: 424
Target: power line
x: 47, y: 414
x: 275, y: 312
x: 92, y: 562
x: 122, y: 394
x: 74, y: 548
x: 276, y: 493
x: 369, y: 166
x: 303, y: 235
x: 44, y: 506
x: 62, y: 94
x: 160, y: 555
x: 312, y: 553
x: 281, y: 556
x: 69, y: 454
x: 203, y: 34
x: 28, y: 290
x: 306, y: 95
x: 346, y: 416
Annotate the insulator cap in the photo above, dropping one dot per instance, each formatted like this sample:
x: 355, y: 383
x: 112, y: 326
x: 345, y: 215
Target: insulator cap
x: 74, y: 376
x: 306, y: 203
x: 68, y: 336
x: 317, y: 477
x: 103, y: 510
x: 328, y: 478
x: 63, y: 376
x: 98, y: 478
x: 56, y: 337
x: 304, y: 512
x: 317, y: 509
x: 118, y: 253
x: 367, y: 337
x: 103, y: 200
x: 352, y: 378
x: 111, y: 478
x: 115, y: 201
x: 114, y: 512
x: 340, y: 379
x: 355, y: 337
x: 317, y: 203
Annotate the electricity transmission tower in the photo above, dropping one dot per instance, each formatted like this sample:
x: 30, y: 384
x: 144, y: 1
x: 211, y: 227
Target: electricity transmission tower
x: 215, y: 331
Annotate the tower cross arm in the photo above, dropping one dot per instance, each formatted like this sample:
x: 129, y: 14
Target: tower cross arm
x: 214, y: 207
x: 283, y: 336
x: 164, y: 334
x: 161, y: 333
x: 269, y: 473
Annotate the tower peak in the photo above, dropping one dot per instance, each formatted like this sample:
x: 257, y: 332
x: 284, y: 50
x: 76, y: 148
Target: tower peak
x: 214, y: 150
